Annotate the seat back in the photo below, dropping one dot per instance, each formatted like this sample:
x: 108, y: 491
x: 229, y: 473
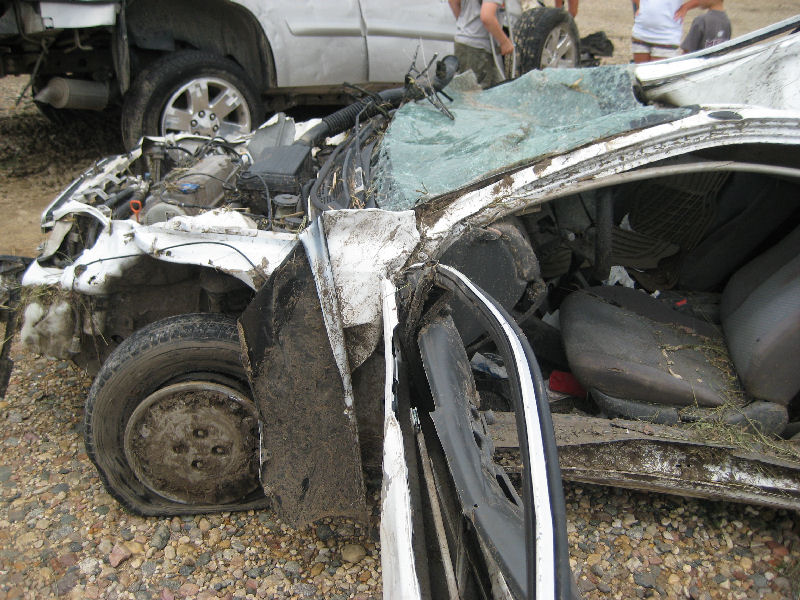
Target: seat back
x: 761, y: 321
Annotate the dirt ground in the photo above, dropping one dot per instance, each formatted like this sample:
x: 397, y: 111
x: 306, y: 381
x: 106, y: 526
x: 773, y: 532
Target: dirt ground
x: 38, y: 158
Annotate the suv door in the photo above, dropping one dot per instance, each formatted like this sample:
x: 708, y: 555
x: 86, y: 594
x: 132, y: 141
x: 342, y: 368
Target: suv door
x: 396, y: 29
x: 324, y: 43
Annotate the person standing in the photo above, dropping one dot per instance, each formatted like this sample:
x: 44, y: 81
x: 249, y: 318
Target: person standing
x: 477, y: 28
x: 656, y: 31
x: 572, y: 6
x: 708, y: 29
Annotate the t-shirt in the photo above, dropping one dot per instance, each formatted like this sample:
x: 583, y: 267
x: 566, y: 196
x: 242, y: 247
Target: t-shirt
x: 469, y: 27
x: 655, y: 22
x: 707, y: 30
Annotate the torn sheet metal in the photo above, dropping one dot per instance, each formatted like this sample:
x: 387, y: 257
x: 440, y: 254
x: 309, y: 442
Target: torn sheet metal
x: 365, y: 246
x: 397, y: 555
x: 310, y: 458
x: 757, y: 76
x: 651, y: 457
x: 314, y: 242
x: 220, y: 239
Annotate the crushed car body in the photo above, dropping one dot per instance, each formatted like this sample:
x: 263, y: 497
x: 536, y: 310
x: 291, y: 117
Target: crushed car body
x: 472, y: 293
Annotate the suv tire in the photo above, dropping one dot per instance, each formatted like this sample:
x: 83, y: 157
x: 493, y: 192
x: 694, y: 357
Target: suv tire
x: 546, y: 37
x: 160, y: 102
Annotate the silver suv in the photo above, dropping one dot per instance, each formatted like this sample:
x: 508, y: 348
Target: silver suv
x: 216, y: 67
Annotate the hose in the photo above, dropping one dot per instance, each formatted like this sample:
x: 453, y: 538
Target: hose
x: 344, y: 119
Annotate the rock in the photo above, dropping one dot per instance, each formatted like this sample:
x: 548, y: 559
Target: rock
x: 291, y: 566
x: 188, y: 590
x: 304, y: 590
x: 353, y: 553
x: 135, y: 547
x: 645, y: 580
x: 160, y: 537
x: 148, y: 568
x: 66, y: 583
x: 90, y: 566
x: 42, y: 524
x: 118, y: 554
x: 324, y: 532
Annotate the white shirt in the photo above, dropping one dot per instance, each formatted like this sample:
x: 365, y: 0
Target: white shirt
x: 655, y: 22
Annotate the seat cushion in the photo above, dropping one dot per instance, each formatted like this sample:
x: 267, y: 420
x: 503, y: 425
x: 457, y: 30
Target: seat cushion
x: 629, y: 345
x: 760, y: 313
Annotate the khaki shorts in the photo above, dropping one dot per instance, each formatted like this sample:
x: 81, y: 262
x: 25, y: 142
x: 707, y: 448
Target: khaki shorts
x: 655, y: 51
x: 479, y: 61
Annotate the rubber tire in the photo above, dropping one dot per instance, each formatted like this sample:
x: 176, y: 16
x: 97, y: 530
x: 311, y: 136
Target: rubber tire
x: 532, y: 29
x: 160, y: 354
x: 155, y: 84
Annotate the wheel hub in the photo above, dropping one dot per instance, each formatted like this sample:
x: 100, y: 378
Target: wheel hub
x: 195, y: 442
x: 559, y: 50
x: 207, y: 106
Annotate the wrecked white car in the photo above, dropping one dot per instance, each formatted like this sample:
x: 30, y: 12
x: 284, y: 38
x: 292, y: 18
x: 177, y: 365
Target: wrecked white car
x: 462, y: 292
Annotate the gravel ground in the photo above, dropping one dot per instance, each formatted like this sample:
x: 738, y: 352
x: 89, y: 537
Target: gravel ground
x: 62, y: 535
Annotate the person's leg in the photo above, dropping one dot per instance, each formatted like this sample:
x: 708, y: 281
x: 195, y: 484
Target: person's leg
x: 478, y: 61
x: 641, y: 51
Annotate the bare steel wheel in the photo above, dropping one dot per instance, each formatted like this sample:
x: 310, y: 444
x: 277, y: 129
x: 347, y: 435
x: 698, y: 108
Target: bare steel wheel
x: 170, y: 423
x: 193, y: 442
x: 207, y: 106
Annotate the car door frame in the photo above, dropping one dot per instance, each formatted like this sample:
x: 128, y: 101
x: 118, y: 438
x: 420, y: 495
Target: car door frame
x: 525, y: 546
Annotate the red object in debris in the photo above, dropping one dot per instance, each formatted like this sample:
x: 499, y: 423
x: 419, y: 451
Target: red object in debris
x: 682, y: 302
x: 561, y: 381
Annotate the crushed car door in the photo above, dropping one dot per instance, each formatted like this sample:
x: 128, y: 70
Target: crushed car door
x: 397, y: 30
x: 485, y: 536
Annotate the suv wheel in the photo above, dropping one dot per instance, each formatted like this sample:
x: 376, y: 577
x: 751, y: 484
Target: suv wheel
x: 190, y: 91
x: 546, y: 37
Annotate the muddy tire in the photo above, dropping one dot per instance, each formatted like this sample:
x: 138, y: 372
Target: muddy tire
x: 546, y: 37
x: 170, y: 424
x: 190, y: 91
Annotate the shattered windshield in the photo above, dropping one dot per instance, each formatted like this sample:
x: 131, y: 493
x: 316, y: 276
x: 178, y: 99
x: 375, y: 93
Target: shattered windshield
x: 424, y: 153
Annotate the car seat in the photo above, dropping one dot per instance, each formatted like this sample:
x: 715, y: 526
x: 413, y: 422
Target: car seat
x: 643, y: 360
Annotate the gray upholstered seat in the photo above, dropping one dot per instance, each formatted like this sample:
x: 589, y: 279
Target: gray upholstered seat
x: 643, y: 359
